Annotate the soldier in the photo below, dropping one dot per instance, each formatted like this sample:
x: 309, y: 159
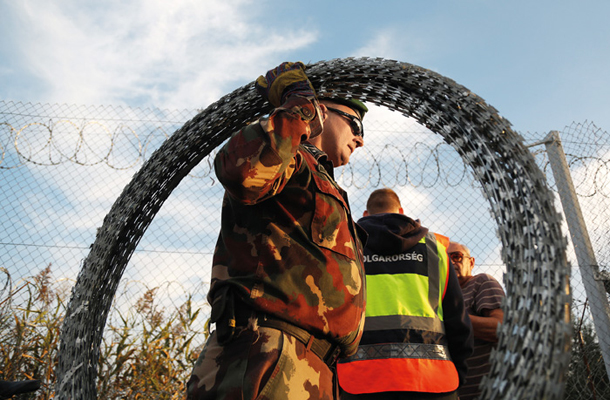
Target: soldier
x: 287, y: 288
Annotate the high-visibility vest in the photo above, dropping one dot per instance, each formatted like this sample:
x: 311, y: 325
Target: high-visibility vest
x: 404, y: 347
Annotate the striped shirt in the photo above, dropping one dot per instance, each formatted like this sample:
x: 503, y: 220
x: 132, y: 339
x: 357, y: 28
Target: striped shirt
x: 482, y: 292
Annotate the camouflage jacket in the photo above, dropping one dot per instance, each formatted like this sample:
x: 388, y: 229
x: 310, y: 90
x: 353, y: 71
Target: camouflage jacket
x: 287, y: 242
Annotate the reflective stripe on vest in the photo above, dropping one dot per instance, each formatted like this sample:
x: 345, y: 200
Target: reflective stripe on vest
x: 401, y: 350
x: 409, y: 299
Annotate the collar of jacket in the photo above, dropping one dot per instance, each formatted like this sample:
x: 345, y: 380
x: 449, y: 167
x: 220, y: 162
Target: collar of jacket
x: 320, y: 157
x: 391, y: 233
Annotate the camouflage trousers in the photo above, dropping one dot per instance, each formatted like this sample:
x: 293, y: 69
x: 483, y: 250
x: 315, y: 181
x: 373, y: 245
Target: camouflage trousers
x: 262, y: 363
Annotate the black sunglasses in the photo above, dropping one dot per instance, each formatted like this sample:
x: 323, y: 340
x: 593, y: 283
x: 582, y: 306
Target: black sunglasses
x: 354, y: 122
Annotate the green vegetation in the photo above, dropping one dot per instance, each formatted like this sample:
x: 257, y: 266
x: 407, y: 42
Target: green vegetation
x: 149, y: 353
x: 587, y: 377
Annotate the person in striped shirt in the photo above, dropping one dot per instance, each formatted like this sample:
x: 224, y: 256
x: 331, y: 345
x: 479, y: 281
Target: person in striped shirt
x: 483, y: 298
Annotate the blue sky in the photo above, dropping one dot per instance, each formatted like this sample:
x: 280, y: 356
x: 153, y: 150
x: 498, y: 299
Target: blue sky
x: 542, y: 64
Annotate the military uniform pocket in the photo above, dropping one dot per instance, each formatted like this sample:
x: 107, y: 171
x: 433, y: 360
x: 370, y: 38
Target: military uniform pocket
x: 269, y: 389
x: 330, y: 227
x: 298, y: 375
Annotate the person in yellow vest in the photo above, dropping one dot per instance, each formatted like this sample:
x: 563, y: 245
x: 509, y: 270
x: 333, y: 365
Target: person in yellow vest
x: 417, y: 333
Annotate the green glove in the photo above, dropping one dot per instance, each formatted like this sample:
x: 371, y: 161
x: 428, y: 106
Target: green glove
x: 287, y: 79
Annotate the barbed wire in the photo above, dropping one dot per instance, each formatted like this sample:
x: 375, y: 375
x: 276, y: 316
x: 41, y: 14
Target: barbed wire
x: 52, y: 134
x: 128, y: 142
x: 90, y: 143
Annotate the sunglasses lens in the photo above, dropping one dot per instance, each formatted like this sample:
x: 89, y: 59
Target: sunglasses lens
x: 354, y: 122
x: 357, y: 127
x: 456, y: 257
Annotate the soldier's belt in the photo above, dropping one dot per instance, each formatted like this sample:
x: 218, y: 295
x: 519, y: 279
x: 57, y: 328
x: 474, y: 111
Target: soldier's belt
x: 324, y: 349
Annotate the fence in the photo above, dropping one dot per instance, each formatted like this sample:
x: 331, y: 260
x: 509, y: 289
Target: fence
x: 62, y: 167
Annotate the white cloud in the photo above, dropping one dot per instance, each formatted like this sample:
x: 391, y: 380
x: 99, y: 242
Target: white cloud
x: 168, y: 54
x: 396, y: 44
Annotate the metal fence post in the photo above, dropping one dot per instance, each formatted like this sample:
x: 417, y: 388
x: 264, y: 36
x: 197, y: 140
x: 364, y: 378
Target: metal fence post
x: 582, y: 244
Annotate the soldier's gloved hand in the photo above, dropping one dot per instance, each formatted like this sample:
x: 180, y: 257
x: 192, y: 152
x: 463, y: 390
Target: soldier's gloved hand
x: 287, y: 79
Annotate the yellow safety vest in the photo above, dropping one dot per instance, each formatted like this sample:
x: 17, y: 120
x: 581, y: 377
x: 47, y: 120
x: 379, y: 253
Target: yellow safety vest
x: 404, y: 347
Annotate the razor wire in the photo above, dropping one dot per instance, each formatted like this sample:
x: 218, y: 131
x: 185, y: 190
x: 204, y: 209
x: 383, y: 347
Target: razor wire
x: 127, y: 140
x: 533, y: 349
x: 382, y: 163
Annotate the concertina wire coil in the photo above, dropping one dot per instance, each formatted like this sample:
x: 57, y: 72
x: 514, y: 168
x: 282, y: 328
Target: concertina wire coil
x: 532, y: 354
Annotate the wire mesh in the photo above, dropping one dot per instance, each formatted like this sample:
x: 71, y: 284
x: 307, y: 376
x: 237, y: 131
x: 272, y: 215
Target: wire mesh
x: 63, y: 167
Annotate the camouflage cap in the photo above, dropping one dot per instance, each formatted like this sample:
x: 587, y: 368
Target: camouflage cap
x: 352, y: 103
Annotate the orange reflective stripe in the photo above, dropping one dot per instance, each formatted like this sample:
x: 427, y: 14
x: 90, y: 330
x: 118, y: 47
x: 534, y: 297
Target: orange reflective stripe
x: 397, y: 375
x: 444, y: 240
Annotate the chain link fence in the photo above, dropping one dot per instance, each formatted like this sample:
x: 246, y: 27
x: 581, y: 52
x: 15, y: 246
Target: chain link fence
x: 587, y: 150
x: 62, y: 167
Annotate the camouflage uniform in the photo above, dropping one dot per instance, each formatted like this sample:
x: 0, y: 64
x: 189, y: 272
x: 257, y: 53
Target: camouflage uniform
x: 288, y: 248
